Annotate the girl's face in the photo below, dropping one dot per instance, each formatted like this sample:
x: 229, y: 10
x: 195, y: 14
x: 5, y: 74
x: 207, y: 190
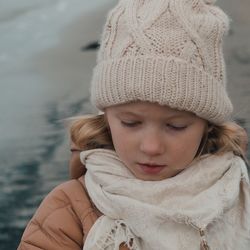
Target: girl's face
x: 154, y: 142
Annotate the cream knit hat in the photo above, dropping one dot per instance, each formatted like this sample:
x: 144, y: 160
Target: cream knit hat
x: 164, y: 51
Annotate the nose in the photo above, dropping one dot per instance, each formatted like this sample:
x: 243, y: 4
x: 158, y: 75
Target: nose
x: 152, y: 144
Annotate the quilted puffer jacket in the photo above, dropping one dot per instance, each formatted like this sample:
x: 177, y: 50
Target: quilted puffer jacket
x: 63, y: 219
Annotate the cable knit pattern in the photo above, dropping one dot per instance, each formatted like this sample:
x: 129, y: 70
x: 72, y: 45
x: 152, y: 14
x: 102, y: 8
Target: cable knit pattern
x: 206, y: 203
x: 164, y: 51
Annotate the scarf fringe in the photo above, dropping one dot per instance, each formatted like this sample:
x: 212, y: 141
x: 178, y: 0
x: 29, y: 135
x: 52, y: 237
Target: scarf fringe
x: 204, y: 245
x: 118, y: 235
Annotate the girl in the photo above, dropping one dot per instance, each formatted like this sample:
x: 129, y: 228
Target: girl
x: 164, y: 165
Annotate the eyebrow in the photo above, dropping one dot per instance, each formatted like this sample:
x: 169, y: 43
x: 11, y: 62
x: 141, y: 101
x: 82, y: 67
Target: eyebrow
x: 174, y: 115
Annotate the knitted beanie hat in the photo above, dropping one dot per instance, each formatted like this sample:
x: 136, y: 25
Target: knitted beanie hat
x: 164, y: 51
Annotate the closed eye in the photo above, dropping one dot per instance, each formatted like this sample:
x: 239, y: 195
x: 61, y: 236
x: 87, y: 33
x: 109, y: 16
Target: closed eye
x: 130, y: 124
x: 176, y: 127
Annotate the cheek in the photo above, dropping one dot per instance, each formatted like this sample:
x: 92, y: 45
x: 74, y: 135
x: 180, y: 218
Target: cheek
x: 124, y: 144
x: 185, y: 149
x: 117, y: 138
x: 180, y: 152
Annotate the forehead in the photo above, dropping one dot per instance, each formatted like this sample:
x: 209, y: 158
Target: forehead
x: 146, y: 109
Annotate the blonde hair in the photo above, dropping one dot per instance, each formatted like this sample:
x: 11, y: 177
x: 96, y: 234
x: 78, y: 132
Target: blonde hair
x: 226, y: 137
x: 89, y: 132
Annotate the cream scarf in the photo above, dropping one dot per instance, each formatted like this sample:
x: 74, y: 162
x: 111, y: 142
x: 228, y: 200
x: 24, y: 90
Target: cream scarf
x: 170, y: 214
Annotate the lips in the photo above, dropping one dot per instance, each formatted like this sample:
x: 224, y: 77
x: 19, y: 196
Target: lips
x: 151, y: 168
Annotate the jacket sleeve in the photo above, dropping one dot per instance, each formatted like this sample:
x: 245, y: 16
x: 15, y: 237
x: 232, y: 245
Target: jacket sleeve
x: 55, y: 225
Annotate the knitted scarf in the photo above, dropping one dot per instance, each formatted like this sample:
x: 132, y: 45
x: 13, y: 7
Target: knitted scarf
x: 174, y: 213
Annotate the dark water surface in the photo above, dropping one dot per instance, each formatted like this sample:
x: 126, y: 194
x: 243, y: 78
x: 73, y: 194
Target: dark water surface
x: 31, y: 167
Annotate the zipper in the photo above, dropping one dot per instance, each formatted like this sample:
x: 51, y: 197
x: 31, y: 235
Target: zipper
x: 203, y: 243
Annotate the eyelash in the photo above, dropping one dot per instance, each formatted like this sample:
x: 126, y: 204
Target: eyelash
x: 176, y: 128
x: 129, y: 124
x: 134, y: 124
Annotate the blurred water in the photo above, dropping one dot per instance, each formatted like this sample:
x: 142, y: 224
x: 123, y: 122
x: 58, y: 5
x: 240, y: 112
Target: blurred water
x: 45, y: 78
x: 28, y: 28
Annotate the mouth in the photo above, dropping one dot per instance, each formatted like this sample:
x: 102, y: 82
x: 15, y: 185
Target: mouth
x: 151, y: 168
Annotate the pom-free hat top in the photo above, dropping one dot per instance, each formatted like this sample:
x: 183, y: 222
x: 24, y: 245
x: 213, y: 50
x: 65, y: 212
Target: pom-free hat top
x: 164, y: 51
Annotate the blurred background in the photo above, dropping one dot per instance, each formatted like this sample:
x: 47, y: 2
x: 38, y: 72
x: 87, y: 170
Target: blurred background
x: 47, y: 53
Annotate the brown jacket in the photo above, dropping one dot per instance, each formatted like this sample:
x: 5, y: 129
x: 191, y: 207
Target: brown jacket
x: 62, y: 221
